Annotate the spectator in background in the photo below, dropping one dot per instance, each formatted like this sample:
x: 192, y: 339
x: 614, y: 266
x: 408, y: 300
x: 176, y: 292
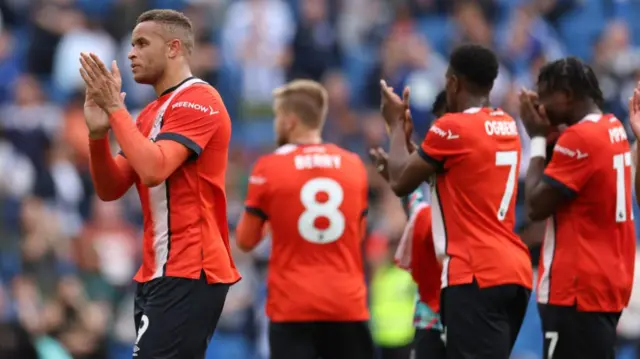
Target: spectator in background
x: 9, y: 64
x: 314, y: 48
x: 51, y: 20
x: 30, y: 124
x: 256, y: 37
x: 342, y: 125
x: 106, y: 252
x: 205, y: 61
x: 15, y: 342
x: 407, y: 60
x: 87, y: 36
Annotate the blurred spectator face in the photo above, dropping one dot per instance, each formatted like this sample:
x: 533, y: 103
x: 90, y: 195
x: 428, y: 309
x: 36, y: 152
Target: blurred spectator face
x: 314, y: 10
x: 28, y: 91
x: 617, y: 37
x: 336, y: 86
x: 473, y: 24
x: 417, y: 51
x: 149, y: 52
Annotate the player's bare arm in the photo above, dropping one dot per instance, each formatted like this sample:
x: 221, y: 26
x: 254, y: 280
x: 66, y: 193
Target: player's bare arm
x: 249, y: 231
x: 634, y: 120
x: 406, y: 170
x: 541, y: 199
x: 251, y: 225
x: 153, y: 162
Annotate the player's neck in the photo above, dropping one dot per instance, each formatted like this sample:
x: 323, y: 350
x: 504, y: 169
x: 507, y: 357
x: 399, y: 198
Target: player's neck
x: 475, y: 101
x: 171, y: 79
x: 311, y: 138
x: 583, y: 111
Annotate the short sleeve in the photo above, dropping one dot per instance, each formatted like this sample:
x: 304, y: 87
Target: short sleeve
x: 193, y: 118
x: 569, y: 168
x: 443, y: 141
x: 257, y: 193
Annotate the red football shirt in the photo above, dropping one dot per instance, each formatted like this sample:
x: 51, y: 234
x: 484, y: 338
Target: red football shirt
x: 477, y: 154
x: 425, y: 268
x: 589, y: 251
x: 314, y: 198
x: 185, y: 218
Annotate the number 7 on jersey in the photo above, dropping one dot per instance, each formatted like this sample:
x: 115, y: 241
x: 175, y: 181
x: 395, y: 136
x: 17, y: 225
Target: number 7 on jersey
x: 507, y: 158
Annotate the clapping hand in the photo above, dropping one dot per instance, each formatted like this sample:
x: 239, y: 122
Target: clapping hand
x: 380, y: 159
x: 533, y: 115
x: 103, y: 86
x: 392, y: 106
x: 394, y: 109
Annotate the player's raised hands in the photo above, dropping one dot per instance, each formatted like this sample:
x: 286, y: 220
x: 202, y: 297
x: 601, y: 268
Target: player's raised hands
x: 634, y: 111
x: 408, y: 131
x: 533, y: 114
x: 392, y: 106
x: 380, y: 159
x: 103, y: 86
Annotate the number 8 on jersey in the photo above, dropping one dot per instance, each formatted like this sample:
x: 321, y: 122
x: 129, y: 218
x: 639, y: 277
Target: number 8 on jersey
x: 316, y: 207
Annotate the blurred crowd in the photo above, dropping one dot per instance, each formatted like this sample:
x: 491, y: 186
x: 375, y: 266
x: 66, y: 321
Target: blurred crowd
x: 67, y: 259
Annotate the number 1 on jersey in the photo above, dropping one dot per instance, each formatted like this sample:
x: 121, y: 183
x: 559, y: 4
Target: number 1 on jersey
x: 507, y: 158
x: 621, y: 161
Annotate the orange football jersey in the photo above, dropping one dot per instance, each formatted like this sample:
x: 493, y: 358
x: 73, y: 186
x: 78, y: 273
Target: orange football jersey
x: 473, y: 194
x: 185, y: 217
x: 589, y: 251
x: 314, y: 198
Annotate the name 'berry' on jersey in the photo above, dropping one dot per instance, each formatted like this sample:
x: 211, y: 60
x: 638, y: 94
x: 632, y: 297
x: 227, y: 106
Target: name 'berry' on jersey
x: 477, y: 155
x: 314, y: 198
x: 589, y: 251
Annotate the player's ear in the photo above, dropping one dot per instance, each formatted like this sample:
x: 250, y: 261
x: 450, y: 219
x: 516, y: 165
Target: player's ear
x: 174, y: 47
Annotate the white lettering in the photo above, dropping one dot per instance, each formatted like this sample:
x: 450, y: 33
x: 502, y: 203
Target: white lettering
x: 305, y: 162
x: 501, y: 128
x: 617, y: 134
x: 571, y: 153
x: 195, y: 106
x: 438, y: 131
x: 564, y: 151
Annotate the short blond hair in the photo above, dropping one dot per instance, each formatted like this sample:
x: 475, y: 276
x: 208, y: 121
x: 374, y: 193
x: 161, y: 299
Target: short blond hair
x: 306, y: 98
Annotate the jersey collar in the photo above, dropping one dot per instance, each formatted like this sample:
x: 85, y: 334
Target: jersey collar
x: 592, y: 117
x: 473, y: 110
x: 171, y: 89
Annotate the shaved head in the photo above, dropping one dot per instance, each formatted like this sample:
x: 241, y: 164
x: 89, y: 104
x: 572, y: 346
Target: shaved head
x: 175, y: 25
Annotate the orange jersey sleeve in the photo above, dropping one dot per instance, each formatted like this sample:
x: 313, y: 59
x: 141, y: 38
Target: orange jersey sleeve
x: 257, y: 193
x: 443, y: 142
x: 193, y: 118
x: 570, y: 167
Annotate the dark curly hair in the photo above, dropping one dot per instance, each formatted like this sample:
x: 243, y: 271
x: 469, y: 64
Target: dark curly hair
x: 477, y: 64
x: 570, y: 74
